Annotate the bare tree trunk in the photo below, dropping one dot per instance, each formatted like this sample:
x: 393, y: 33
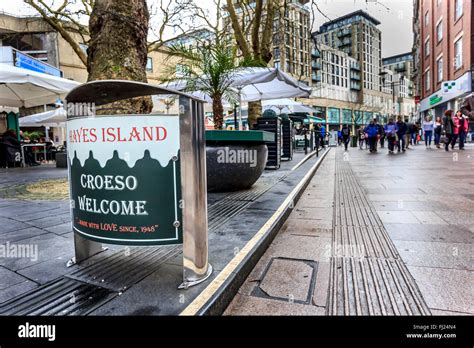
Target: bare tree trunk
x: 218, y: 111
x: 118, y: 48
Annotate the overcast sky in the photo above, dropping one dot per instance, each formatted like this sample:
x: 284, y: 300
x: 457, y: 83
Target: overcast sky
x: 395, y: 16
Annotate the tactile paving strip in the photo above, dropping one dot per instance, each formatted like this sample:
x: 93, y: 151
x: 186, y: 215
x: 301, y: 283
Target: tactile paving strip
x: 367, y: 275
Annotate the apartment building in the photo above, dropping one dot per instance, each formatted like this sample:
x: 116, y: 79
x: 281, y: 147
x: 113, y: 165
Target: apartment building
x: 353, y: 46
x: 399, y: 84
x: 291, y: 36
x: 444, y: 50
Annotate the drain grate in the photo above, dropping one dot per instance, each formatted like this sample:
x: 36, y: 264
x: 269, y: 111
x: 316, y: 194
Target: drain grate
x: 126, y: 267
x: 63, y: 296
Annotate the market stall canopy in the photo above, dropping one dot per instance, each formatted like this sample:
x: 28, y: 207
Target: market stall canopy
x: 255, y: 84
x: 287, y: 106
x: 25, y: 88
x: 52, y: 118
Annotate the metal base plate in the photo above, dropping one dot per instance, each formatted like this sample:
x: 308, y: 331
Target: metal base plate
x: 187, y: 284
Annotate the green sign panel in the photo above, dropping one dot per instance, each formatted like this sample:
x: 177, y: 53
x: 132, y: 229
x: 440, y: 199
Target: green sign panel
x: 125, y: 179
x: 435, y: 99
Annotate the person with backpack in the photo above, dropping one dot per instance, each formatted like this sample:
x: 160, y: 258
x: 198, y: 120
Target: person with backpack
x: 346, y: 135
x: 391, y: 132
x: 372, y: 131
x: 402, y: 130
x: 361, y: 138
x: 323, y: 136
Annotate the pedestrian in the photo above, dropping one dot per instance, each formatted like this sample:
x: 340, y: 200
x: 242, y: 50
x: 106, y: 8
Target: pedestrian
x: 323, y: 136
x: 467, y: 107
x: 346, y: 135
x: 438, y: 127
x: 372, y: 131
x: 458, y: 123
x: 382, y: 136
x: 402, y: 130
x: 339, y: 137
x: 463, y: 123
x: 428, y: 127
x: 361, y: 137
x: 391, y: 133
x: 448, y: 128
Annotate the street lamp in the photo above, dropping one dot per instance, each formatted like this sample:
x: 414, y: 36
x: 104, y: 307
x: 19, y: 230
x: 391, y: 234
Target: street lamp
x: 392, y: 85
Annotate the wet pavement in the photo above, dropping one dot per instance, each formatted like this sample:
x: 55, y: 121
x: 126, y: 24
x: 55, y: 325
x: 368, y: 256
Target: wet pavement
x: 373, y: 234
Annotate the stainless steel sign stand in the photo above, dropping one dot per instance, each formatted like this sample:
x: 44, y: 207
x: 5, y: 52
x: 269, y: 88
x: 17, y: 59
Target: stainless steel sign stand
x: 97, y: 219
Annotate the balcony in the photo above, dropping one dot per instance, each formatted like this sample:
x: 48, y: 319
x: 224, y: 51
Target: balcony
x: 315, y: 53
x: 316, y: 77
x: 316, y: 65
x: 355, y: 66
x: 345, y: 42
x: 355, y: 77
x: 355, y: 86
x: 344, y: 32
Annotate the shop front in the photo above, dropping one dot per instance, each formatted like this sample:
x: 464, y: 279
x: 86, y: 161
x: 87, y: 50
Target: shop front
x: 449, y: 97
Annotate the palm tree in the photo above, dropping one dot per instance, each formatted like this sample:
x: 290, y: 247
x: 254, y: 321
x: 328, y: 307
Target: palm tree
x: 208, y: 68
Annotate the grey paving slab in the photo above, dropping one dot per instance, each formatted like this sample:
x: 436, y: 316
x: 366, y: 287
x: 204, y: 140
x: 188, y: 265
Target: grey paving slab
x: 404, y: 217
x: 7, y: 225
x: 46, y: 271
x: 429, y: 218
x: 250, y: 305
x: 304, y: 227
x: 20, y: 234
x: 436, y: 254
x: 9, y: 278
x: 321, y: 288
x: 430, y: 233
x: 60, y: 229
x: 16, y: 290
x: 446, y: 289
x: 45, y: 247
x: 410, y: 206
x: 50, y: 221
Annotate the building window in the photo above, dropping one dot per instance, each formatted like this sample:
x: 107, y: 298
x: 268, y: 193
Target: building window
x: 427, y: 48
x: 149, y: 64
x: 439, y: 64
x: 458, y: 54
x: 438, y: 2
x: 427, y: 18
x: 457, y: 9
x: 427, y: 80
x: 439, y: 31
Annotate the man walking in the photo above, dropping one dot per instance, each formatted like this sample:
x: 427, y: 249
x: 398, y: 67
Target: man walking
x: 372, y: 130
x: 391, y: 131
x: 346, y: 135
x: 402, y: 130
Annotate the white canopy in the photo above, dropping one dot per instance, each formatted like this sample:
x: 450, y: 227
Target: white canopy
x: 256, y: 84
x: 287, y: 106
x: 25, y: 88
x: 52, y: 118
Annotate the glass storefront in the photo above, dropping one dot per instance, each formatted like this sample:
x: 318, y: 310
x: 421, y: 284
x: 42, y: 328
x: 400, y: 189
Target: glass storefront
x: 367, y: 117
x: 334, y: 116
x: 346, y: 116
x: 357, y: 117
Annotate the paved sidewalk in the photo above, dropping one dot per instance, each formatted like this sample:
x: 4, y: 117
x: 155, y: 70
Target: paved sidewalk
x: 373, y: 234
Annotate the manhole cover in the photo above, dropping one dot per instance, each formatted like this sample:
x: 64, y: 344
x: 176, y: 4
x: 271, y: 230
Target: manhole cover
x: 288, y: 280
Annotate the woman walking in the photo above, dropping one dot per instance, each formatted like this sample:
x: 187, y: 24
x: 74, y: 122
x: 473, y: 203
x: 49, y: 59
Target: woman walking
x: 463, y: 128
x: 448, y: 128
x: 438, y: 126
x: 428, y: 127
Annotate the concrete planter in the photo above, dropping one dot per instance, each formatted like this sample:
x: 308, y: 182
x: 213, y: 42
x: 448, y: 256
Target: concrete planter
x: 235, y: 159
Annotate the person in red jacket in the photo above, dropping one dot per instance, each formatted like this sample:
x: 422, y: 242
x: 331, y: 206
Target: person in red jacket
x: 462, y: 123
